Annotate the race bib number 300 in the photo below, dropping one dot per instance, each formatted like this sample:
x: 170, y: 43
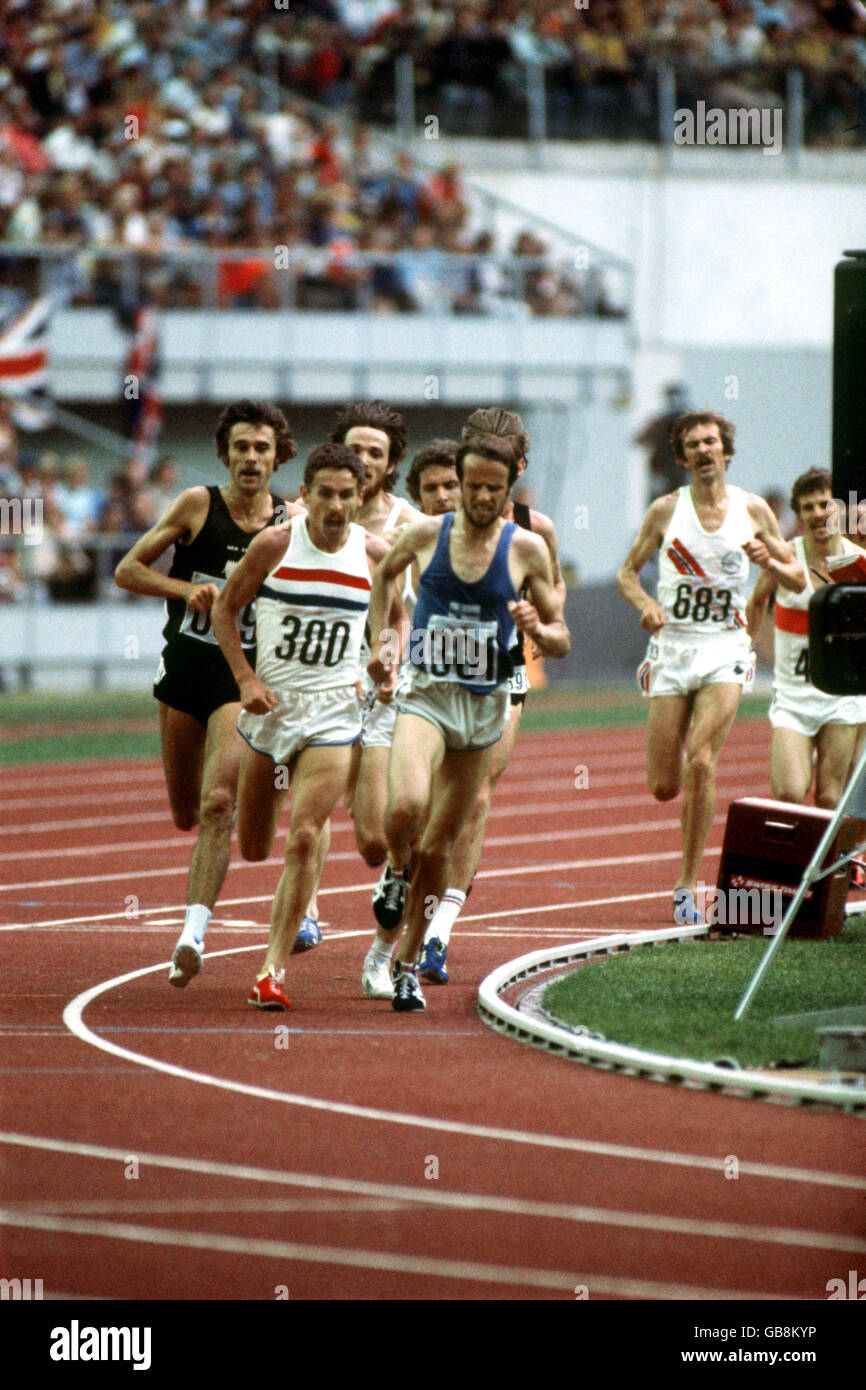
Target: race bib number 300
x: 198, y: 625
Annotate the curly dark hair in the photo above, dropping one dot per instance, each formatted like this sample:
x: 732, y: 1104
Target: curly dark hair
x: 375, y: 415
x: 333, y: 456
x: 490, y: 446
x: 727, y: 430
x: 439, y: 451
x: 255, y: 413
x: 813, y: 480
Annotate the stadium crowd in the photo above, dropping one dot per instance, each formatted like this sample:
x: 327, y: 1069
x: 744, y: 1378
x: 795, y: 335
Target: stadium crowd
x: 160, y: 127
x: 152, y: 129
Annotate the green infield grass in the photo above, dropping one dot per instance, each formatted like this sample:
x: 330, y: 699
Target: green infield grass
x: 679, y: 998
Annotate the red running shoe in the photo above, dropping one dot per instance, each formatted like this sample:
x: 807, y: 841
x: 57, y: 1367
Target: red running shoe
x: 267, y: 993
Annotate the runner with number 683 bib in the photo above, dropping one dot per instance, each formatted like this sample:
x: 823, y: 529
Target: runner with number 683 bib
x: 699, y: 657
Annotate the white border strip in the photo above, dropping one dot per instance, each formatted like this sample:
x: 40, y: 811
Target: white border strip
x: 634, y: 1061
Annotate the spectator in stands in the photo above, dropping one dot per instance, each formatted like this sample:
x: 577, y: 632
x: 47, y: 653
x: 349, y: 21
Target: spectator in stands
x: 80, y: 504
x: 13, y: 582
x: 665, y: 473
x: 210, y: 162
x: 164, y: 482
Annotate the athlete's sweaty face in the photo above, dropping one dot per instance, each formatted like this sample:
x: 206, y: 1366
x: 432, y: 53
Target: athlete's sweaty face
x: 484, y: 489
x: 703, y: 450
x: 332, y: 501
x: 439, y: 489
x: 373, y: 448
x: 252, y: 456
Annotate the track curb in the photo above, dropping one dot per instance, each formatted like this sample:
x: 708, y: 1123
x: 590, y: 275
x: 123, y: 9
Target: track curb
x: 528, y: 1025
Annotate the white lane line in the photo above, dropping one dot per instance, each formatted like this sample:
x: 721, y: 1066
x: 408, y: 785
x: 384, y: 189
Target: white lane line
x: 636, y: 777
x: 401, y: 1195
x: 470, y: 1271
x: 503, y: 808
x: 502, y: 914
x: 208, y: 1206
x: 173, y: 842
x: 72, y: 1017
x: 750, y: 736
x: 135, y: 875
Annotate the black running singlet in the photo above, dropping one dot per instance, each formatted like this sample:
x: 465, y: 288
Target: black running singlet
x: 219, y: 546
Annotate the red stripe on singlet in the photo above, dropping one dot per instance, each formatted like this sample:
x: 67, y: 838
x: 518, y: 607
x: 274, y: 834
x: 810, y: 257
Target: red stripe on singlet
x: 792, y: 620
x: 353, y: 581
x: 688, y: 557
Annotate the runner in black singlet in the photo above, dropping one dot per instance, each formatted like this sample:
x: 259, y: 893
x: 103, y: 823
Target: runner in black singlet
x: 210, y: 529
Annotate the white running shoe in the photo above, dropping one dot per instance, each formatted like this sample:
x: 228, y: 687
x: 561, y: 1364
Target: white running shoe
x: 186, y: 961
x: 376, y: 977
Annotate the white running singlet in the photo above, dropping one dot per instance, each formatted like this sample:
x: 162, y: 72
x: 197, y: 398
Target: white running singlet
x: 310, y: 613
x: 703, y: 574
x: 791, y: 621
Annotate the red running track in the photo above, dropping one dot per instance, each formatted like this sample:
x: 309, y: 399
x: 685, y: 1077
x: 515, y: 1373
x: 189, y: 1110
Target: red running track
x: 177, y: 1145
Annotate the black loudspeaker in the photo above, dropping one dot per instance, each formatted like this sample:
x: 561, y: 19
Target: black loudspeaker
x: 849, y: 376
x: 837, y: 638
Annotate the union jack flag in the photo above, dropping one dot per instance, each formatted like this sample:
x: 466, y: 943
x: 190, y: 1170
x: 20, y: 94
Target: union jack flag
x: 24, y: 363
x: 24, y: 350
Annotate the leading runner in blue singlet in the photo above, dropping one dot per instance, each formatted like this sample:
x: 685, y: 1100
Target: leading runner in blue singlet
x: 473, y: 568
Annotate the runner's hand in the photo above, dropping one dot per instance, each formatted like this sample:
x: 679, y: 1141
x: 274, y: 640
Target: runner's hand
x: 256, y: 698
x: 525, y: 617
x: 385, y: 690
x: 758, y: 553
x: 652, y: 617
x: 202, y: 597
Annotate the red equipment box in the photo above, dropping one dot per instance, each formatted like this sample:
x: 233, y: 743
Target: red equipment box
x: 768, y: 846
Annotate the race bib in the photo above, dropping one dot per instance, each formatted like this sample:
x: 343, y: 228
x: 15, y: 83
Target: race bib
x: 518, y: 682
x: 198, y: 625
x: 457, y: 649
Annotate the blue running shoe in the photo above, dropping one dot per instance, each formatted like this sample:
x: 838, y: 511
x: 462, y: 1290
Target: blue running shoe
x: 431, y: 966
x: 309, y: 935
x: 686, y: 914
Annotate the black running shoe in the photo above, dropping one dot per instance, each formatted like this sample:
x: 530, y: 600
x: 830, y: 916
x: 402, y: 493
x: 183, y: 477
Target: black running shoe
x: 407, y: 992
x: 389, y: 899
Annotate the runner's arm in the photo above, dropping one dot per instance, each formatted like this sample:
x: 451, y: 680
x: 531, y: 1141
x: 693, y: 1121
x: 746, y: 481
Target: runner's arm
x: 647, y: 542
x: 756, y: 608
x: 384, y: 646
x: 263, y: 554
x: 541, y: 617
x: 770, y: 550
x: 543, y: 527
x: 184, y: 517
x: 397, y: 619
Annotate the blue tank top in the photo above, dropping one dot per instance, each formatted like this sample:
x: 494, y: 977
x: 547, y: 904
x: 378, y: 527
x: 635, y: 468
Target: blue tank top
x: 463, y: 631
